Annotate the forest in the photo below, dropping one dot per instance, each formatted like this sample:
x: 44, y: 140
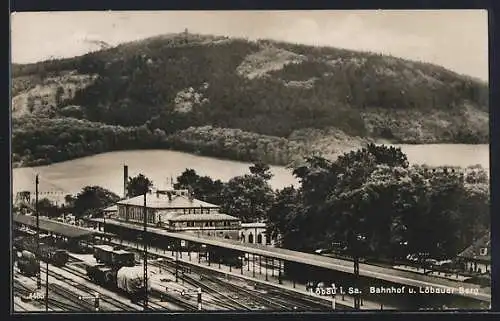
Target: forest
x: 372, y: 192
x: 184, y: 85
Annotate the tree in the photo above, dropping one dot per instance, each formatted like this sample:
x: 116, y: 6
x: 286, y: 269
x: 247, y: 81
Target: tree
x: 93, y: 198
x: 248, y: 197
x: 280, y: 224
x: 138, y: 185
x: 69, y: 200
x: 47, y: 208
x: 262, y: 170
x: 202, y: 187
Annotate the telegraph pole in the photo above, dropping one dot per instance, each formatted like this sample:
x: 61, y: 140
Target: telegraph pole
x: 356, y: 283
x: 176, y: 265
x: 47, y: 286
x: 145, y: 252
x: 39, y: 278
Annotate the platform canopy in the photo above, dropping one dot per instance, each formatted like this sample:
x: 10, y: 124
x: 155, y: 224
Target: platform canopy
x: 58, y: 228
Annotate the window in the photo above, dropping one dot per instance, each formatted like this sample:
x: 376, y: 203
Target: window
x: 259, y: 238
x: 211, y: 223
x: 250, y: 238
x: 483, y: 251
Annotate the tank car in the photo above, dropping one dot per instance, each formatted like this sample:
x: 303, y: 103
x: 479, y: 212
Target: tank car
x: 28, y: 264
x: 48, y: 253
x: 130, y: 280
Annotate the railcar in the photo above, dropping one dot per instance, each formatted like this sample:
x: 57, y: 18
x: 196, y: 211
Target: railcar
x: 28, y: 264
x: 47, y: 251
x: 116, y: 270
x: 112, y: 256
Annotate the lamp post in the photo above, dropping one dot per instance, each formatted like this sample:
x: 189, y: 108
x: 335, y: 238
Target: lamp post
x: 356, y: 244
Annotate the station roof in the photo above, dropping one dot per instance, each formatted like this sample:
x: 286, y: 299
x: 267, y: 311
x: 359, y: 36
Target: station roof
x: 59, y: 228
x: 253, y: 225
x: 204, y: 217
x: 162, y: 201
x: 112, y: 208
x: 367, y: 270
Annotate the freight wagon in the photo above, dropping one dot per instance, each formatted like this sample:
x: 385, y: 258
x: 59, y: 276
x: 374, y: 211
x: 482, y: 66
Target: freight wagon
x: 48, y: 253
x: 111, y: 256
x: 128, y: 280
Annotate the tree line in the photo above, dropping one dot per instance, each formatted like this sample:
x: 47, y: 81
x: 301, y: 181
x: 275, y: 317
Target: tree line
x: 372, y: 194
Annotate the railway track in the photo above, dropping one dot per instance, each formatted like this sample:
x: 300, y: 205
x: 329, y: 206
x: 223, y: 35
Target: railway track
x: 19, y: 308
x: 151, y: 305
x: 242, y: 298
x: 58, y: 304
x: 221, y: 300
x: 111, y: 304
x: 234, y: 297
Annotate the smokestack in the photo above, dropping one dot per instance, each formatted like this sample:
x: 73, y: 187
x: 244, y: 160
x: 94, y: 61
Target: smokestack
x: 125, y: 180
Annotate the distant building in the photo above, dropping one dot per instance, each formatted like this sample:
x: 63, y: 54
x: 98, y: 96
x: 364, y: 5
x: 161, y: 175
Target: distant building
x: 255, y: 233
x: 111, y: 211
x: 177, y: 210
x: 28, y: 197
x: 477, y: 257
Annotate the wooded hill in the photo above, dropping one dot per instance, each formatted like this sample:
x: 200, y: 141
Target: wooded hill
x: 255, y: 100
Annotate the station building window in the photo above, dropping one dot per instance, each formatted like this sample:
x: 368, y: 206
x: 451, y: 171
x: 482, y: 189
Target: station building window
x: 259, y: 238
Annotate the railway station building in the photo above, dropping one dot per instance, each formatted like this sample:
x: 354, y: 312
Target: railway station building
x: 177, y: 210
x: 477, y: 257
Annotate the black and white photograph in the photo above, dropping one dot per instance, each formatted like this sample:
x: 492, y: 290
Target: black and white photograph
x: 250, y: 161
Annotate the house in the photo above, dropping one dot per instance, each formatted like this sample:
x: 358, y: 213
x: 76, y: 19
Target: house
x: 177, y: 210
x: 111, y: 211
x: 255, y: 233
x: 477, y: 257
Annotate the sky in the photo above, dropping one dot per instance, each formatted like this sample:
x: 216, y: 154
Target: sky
x: 455, y: 39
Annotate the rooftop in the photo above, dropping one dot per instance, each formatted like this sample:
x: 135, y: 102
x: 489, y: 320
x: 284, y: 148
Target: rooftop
x: 53, y: 226
x: 473, y: 252
x: 254, y: 225
x: 112, y: 208
x: 204, y: 217
x: 166, y: 201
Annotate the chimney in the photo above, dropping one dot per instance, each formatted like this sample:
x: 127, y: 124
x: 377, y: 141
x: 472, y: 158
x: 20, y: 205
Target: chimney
x: 125, y: 180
